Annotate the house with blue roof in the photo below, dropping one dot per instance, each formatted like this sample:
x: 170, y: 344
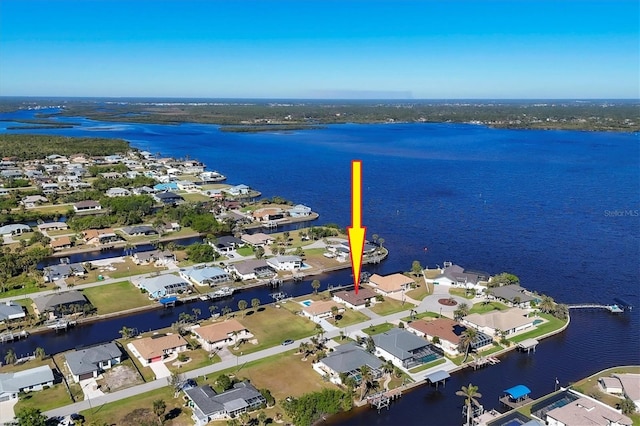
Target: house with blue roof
x: 33, y: 379
x: 169, y: 186
x: 205, y: 275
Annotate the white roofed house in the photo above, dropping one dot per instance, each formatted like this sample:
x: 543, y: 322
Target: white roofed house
x: 299, y: 210
x: 14, y: 229
x: 508, y: 321
x: 237, y: 190
x: 586, y: 411
x: 32, y: 201
x: 33, y: 379
x: 10, y: 311
x: 321, y: 309
x: 153, y: 256
x: 163, y: 285
x: 63, y: 271
x: 208, y: 405
x: 117, y: 192
x: 205, y: 275
x: 251, y: 269
x: 457, y: 276
x: 285, y: 263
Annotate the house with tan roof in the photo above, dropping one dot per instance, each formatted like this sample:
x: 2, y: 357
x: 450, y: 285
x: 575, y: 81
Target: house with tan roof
x: 258, y: 239
x: 586, y: 411
x: 389, y: 284
x: 448, y: 334
x: 100, y: 236
x: 355, y: 301
x: 220, y: 334
x: 156, y: 348
x: 61, y: 243
x: 320, y: 309
x: 267, y: 214
x: 509, y: 321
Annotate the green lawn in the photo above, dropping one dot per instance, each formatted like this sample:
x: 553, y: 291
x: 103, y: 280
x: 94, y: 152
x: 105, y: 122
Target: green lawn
x: 116, y: 297
x: 349, y: 317
x: 422, y: 315
x: 420, y: 292
x: 391, y: 306
x: 428, y: 365
x: 199, y: 358
x: 245, y: 251
x: 461, y: 292
x: 544, y: 328
x: 46, y: 399
x: 377, y: 329
x: 481, y: 308
x: 272, y: 326
x: 195, y: 197
x: 116, y: 412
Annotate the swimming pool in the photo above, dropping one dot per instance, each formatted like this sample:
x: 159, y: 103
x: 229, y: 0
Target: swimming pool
x: 306, y: 303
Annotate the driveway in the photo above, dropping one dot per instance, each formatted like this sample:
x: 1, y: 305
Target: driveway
x: 90, y: 388
x: 160, y: 369
x: 6, y: 411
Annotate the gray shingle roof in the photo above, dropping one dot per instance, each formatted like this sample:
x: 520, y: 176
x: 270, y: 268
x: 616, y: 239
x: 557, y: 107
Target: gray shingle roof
x: 399, y: 343
x: 207, y: 401
x: 10, y: 309
x: 50, y: 301
x: 87, y: 360
x: 350, y: 357
x: 510, y: 292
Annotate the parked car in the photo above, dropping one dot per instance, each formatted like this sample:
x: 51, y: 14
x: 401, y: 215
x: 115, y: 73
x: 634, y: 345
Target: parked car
x: 287, y: 342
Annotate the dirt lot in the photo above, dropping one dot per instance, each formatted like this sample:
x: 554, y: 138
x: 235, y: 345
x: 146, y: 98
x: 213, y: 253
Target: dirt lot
x: 119, y: 377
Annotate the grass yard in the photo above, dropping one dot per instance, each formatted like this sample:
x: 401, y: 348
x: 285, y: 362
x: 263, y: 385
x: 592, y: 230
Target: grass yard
x: 199, y: 358
x: 245, y: 251
x: 552, y: 324
x: 129, y: 268
x: 420, y: 292
x: 391, y: 306
x: 121, y: 412
x: 481, y: 308
x: 46, y: 399
x: 421, y: 315
x: 116, y: 297
x: 195, y: 197
x: 377, y: 329
x: 428, y: 365
x: 349, y: 317
x: 272, y: 326
x: 461, y: 292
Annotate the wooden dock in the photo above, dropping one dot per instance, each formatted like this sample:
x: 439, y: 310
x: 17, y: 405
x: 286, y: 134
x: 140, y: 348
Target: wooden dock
x: 382, y: 400
x: 11, y: 336
x: 483, y: 361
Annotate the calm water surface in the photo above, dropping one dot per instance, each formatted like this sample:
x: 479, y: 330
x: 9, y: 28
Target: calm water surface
x: 557, y: 208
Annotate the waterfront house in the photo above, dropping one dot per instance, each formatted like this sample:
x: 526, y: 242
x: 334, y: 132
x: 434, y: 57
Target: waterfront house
x: 251, y: 269
x: 512, y: 294
x: 58, y: 304
x: 87, y: 206
x: 205, y: 275
x: 586, y: 411
x: 237, y: 190
x: 10, y: 311
x: 321, y: 309
x: 352, y: 300
x: 207, y: 405
x: 348, y: 359
x: 158, y: 257
x: 508, y: 321
x: 100, y: 236
x: 157, y: 347
x: 117, y: 192
x: 448, y: 333
x: 389, y: 284
x: 457, y: 276
x: 258, y: 239
x: 299, y: 210
x: 139, y: 230
x: 268, y: 214
x: 168, y: 186
x: 163, y: 285
x: 63, y: 271
x: 168, y: 198
x: 220, y: 334
x: 630, y: 384
x: 14, y: 229
x: 90, y: 362
x: 285, y: 263
x: 61, y: 243
x: 33, y: 379
x: 186, y: 185
x: 403, y: 349
x: 52, y: 226
x: 226, y: 244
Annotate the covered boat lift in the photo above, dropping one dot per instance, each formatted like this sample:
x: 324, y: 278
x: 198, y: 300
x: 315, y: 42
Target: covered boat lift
x: 437, y: 377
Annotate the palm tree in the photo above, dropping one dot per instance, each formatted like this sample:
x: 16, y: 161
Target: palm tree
x: 226, y: 310
x: 467, y: 338
x: 196, y: 313
x: 315, y: 284
x: 39, y: 353
x: 547, y: 304
x: 255, y: 303
x: 366, y: 377
x: 470, y: 393
x: 159, y: 407
x: 388, y: 367
x: 213, y: 309
x: 242, y: 305
x: 10, y: 357
x: 334, y: 311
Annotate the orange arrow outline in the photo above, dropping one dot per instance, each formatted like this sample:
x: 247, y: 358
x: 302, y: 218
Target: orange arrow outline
x: 356, y: 231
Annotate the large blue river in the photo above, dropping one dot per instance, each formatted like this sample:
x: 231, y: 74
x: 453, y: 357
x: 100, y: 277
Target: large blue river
x: 560, y: 209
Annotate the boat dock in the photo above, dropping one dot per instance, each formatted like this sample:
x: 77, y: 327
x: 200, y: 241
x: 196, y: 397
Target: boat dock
x: 483, y: 361
x: 11, y: 336
x: 615, y: 309
x: 381, y: 400
x: 59, y: 324
x: 219, y: 293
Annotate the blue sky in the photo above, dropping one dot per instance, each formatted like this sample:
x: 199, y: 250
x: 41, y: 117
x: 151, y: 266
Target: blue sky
x: 321, y: 49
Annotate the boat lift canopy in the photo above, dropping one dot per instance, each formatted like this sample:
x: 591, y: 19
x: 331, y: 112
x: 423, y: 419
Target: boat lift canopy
x: 518, y: 391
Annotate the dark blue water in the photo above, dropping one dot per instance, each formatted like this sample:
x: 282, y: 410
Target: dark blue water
x: 557, y: 208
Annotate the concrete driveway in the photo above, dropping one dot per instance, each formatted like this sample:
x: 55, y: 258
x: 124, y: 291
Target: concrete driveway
x: 6, y: 411
x: 90, y: 388
x: 160, y: 369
